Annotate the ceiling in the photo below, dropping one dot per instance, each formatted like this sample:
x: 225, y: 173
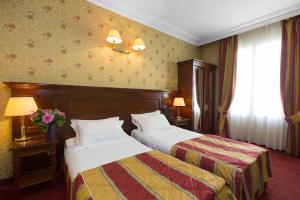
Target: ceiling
x: 203, y: 21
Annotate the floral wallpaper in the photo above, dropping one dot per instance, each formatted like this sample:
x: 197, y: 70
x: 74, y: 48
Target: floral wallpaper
x: 64, y: 42
x: 5, y: 135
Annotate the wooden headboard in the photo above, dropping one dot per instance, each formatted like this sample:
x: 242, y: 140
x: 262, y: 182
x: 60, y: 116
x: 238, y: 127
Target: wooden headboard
x: 83, y: 102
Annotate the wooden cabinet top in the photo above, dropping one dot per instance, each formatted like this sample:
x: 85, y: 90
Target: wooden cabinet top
x: 197, y: 63
x: 15, y: 146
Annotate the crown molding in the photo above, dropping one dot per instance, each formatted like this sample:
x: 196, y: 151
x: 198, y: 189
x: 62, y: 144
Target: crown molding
x: 253, y: 24
x: 147, y: 20
x: 193, y: 39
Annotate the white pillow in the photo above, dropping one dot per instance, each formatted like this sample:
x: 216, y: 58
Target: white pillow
x: 75, y: 122
x: 98, y: 131
x: 155, y: 122
x: 135, y: 118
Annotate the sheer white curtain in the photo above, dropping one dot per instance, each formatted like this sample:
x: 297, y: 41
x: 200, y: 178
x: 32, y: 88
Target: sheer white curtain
x: 196, y: 108
x: 256, y: 114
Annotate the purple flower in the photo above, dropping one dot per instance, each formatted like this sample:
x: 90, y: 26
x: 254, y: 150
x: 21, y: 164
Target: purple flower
x: 47, y: 118
x: 62, y: 114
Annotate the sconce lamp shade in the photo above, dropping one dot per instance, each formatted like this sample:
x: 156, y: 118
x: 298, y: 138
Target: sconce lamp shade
x: 138, y: 44
x: 19, y: 106
x: 178, y: 101
x: 114, y: 37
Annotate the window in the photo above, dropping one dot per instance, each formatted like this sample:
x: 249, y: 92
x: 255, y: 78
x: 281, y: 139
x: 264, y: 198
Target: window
x: 256, y: 113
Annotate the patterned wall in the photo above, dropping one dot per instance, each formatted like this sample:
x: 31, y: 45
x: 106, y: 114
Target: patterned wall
x: 210, y: 52
x: 63, y: 42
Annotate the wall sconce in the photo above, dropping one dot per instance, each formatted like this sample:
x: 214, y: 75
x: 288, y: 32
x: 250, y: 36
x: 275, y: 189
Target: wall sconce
x: 138, y: 44
x: 115, y: 38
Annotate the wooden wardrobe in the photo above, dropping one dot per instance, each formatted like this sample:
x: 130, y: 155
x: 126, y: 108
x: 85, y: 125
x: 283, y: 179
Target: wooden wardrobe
x: 196, y: 84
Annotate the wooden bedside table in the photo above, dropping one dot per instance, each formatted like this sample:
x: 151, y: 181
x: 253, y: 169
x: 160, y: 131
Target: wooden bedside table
x: 33, y: 147
x: 182, y: 122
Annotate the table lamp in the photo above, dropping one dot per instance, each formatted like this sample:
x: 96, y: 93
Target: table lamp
x: 178, y: 102
x: 20, y: 106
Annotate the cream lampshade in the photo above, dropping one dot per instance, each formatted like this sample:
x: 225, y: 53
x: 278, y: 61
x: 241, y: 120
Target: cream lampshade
x: 138, y: 44
x: 178, y: 102
x: 114, y: 37
x: 20, y: 106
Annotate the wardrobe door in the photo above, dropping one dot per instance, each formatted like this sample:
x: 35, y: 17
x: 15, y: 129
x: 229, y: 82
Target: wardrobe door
x: 199, y: 98
x: 209, y: 96
x: 204, y: 87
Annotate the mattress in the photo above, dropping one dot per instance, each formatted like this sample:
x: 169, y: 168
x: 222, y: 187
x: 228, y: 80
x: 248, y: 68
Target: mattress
x: 164, y: 139
x: 79, y: 159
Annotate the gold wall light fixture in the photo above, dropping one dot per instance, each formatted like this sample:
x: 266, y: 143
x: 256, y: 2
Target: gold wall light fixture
x: 115, y: 39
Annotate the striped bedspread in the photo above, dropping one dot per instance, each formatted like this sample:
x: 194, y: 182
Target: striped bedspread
x: 245, y: 167
x: 151, y: 175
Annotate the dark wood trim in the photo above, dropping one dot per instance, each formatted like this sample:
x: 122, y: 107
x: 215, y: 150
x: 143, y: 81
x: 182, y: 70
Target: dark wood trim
x: 33, y: 86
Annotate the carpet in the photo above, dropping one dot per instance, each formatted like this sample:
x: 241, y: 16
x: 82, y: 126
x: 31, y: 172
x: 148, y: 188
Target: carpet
x: 285, y: 182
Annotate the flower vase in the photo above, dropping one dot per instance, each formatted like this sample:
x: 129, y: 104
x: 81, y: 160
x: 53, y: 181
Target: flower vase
x: 51, y: 133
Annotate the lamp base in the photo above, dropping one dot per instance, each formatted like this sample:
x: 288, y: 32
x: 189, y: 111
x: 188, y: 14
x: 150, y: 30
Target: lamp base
x: 177, y: 114
x: 178, y: 117
x: 22, y: 139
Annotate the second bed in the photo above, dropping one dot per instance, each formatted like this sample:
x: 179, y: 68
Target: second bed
x: 245, y: 167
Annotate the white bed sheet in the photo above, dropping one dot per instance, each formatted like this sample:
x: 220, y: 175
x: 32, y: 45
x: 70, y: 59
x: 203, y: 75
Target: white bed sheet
x: 79, y: 159
x: 164, y: 139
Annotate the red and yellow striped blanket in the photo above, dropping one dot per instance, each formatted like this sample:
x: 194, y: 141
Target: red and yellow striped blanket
x: 151, y: 175
x: 245, y: 167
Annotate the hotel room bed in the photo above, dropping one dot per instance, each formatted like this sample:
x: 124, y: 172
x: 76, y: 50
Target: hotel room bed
x: 126, y: 169
x: 245, y: 167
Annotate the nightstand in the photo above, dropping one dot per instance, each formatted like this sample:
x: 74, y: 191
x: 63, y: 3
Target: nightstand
x: 181, y: 122
x: 25, y: 150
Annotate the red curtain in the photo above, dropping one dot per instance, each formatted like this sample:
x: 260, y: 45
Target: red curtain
x: 226, y: 81
x: 290, y: 81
